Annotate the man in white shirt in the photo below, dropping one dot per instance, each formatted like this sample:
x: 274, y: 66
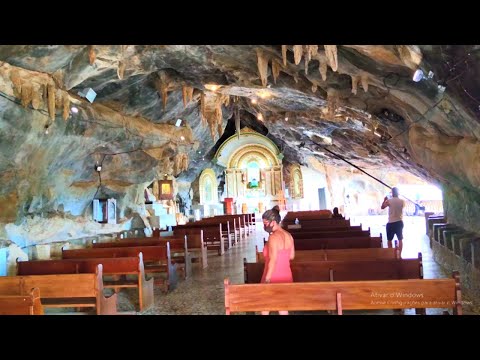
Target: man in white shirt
x: 395, y: 218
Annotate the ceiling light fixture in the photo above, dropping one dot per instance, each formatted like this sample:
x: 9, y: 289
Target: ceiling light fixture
x: 264, y: 94
x: 212, y: 87
x: 260, y: 116
x: 419, y: 75
x: 178, y: 122
x: 182, y: 137
x: 88, y: 94
x: 254, y: 101
x: 74, y: 109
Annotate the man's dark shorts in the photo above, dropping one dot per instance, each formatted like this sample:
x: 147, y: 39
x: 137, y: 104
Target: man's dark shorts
x: 395, y: 228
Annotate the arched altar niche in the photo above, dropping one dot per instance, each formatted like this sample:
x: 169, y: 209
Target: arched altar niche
x: 208, y: 187
x: 253, y: 172
x: 296, y: 182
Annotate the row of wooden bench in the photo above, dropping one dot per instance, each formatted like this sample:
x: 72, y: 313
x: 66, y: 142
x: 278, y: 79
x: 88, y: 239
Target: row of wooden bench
x: 345, y: 295
x: 345, y: 279
x: 112, y: 265
x: 118, y: 261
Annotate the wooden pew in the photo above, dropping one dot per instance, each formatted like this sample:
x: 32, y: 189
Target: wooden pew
x: 330, y: 234
x: 345, y: 295
x: 65, y: 290
x: 196, y: 246
x: 179, y: 250
x: 351, y: 270
x: 331, y: 228
x: 239, y: 225
x: 306, y: 224
x: 27, y: 304
x: 222, y: 237
x: 211, y: 236
x: 341, y: 254
x: 156, y: 259
x: 338, y: 243
x: 118, y: 268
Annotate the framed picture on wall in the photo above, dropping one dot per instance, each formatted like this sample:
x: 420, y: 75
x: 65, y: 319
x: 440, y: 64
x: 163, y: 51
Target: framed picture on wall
x: 165, y: 189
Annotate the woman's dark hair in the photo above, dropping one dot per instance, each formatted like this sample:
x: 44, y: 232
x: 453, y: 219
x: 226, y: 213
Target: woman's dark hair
x: 272, y: 215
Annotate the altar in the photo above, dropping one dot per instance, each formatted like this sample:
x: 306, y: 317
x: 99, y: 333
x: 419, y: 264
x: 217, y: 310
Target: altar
x: 253, y: 174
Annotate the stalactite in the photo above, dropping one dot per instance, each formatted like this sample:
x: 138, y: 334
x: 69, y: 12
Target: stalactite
x: 226, y: 100
x: 203, y: 114
x: 331, y: 54
x: 92, y: 56
x: 189, y: 93
x: 314, y: 88
x: 237, y: 122
x: 297, y: 53
x: 161, y: 84
x: 66, y: 106
x: 185, y: 162
x: 51, y: 101
x: 262, y: 64
x: 355, y: 80
x: 312, y: 50
x: 364, y: 78
x: 212, y: 130
x: 121, y: 69
x: 284, y: 54
x: 218, y: 115
x: 184, y: 95
x: 37, y: 95
x: 17, y: 82
x: 58, y: 99
x: 57, y: 77
x: 177, y: 163
x: 275, y: 70
x: 180, y: 163
x: 323, y: 69
x: 26, y: 94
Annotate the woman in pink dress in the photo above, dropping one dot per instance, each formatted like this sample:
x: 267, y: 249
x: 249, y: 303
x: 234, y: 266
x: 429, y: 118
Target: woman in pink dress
x: 278, y: 252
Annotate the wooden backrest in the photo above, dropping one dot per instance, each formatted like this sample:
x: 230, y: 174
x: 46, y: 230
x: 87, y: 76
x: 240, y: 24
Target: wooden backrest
x: 342, y: 254
x: 338, y: 243
x: 330, y: 234
x: 175, y: 242
x: 120, y: 265
x: 207, y: 233
x: 353, y: 270
x: 330, y: 228
x: 28, y: 304
x: 205, y: 223
x: 56, y: 286
x: 194, y: 237
x: 150, y: 253
x: 323, y: 224
x: 345, y: 295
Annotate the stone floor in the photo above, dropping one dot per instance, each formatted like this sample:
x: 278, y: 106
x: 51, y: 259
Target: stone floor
x: 203, y: 292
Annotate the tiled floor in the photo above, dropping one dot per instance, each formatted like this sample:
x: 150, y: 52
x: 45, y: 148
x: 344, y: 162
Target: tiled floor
x: 203, y: 292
